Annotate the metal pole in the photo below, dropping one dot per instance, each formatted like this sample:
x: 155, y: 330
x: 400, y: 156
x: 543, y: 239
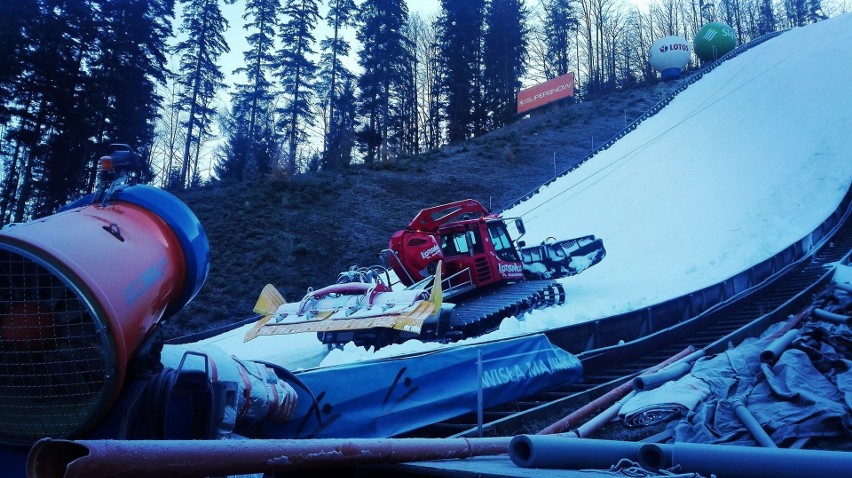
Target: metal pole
x: 585, y: 430
x: 757, y: 431
x: 734, y: 461
x: 51, y: 458
x: 804, y: 313
x: 773, y: 351
x: 830, y: 316
x: 479, y: 400
x: 667, y: 374
x: 562, y: 452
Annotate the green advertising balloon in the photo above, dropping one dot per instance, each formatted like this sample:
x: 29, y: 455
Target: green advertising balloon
x: 714, y: 40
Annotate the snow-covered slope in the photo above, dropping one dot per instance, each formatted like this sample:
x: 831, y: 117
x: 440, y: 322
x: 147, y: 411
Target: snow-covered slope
x: 741, y: 164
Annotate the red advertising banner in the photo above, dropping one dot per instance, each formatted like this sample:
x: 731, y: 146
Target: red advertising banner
x: 543, y: 93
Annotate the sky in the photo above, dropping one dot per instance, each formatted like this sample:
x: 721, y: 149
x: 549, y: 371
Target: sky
x: 741, y: 164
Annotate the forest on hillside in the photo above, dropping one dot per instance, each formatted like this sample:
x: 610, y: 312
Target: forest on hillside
x: 76, y: 76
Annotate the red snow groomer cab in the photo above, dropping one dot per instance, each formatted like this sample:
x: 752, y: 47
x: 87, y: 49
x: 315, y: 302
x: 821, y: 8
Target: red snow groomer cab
x: 473, y: 244
x: 476, y: 250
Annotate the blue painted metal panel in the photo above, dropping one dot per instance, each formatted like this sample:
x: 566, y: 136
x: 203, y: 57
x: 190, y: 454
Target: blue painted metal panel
x: 389, y: 398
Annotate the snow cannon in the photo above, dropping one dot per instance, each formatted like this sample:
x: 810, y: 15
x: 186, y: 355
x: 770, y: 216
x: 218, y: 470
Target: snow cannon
x: 669, y: 55
x: 714, y: 40
x: 82, y: 291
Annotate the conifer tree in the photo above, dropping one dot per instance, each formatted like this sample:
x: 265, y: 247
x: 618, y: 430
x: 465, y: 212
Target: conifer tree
x: 342, y: 124
x: 560, y: 23
x: 296, y: 71
x: 51, y: 130
x: 85, y: 76
x: 252, y: 100
x: 332, y: 78
x: 130, y: 66
x: 18, y: 35
x: 461, y: 33
x: 815, y: 12
x: 383, y: 58
x: 199, y: 74
x: 766, y: 18
x: 16, y: 16
x: 242, y: 148
x: 504, y: 59
x: 796, y: 12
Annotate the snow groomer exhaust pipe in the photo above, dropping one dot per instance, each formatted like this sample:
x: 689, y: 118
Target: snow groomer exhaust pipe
x: 80, y: 291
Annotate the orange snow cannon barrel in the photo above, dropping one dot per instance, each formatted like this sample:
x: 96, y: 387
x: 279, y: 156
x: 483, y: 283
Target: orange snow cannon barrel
x: 80, y: 291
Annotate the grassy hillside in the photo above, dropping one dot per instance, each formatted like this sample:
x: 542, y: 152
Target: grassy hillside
x: 301, y: 232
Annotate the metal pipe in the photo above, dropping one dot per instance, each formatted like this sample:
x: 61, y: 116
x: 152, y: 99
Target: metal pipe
x: 50, y: 458
x: 653, y: 380
x: 831, y: 316
x: 777, y: 347
x: 694, y: 356
x: 537, y: 451
x: 607, y: 399
x: 752, y: 425
x: 793, y: 322
x: 479, y: 394
x: 602, y: 418
x: 733, y: 461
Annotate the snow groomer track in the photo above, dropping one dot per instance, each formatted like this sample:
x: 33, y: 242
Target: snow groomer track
x: 484, y: 314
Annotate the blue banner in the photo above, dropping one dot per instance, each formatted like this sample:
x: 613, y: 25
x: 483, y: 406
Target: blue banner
x: 388, y: 398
